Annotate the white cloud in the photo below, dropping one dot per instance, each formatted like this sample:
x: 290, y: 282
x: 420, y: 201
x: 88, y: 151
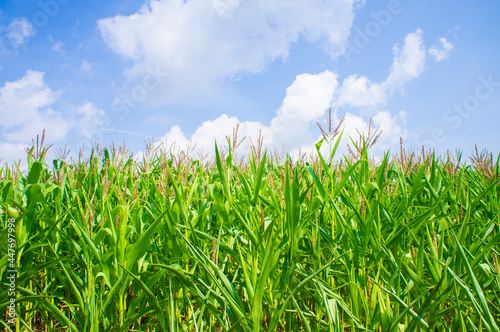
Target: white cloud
x: 442, y: 51
x: 91, y: 119
x: 19, y: 30
x: 200, y: 42
x: 26, y: 110
x: 392, y: 127
x: 295, y: 139
x: 358, y: 91
x: 409, y: 62
x: 56, y: 45
x: 306, y: 101
x: 308, y: 96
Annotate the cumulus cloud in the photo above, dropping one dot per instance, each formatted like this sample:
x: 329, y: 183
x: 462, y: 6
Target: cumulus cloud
x: 408, y: 64
x: 26, y: 110
x: 91, y: 119
x: 294, y: 138
x: 19, y: 30
x: 306, y: 101
x: 200, y: 42
x: 441, y: 52
x: 309, y: 97
x: 359, y: 91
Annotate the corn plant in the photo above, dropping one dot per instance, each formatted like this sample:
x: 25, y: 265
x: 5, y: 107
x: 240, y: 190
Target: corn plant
x: 174, y: 243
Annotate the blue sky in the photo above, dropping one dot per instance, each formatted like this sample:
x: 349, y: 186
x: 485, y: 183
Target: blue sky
x: 174, y: 71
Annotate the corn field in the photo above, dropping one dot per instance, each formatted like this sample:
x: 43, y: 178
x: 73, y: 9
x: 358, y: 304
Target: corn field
x: 175, y: 243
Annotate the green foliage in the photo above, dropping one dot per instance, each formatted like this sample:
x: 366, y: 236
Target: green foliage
x: 175, y: 244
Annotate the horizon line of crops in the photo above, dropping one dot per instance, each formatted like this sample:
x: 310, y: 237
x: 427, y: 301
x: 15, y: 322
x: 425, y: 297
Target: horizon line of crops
x: 175, y: 244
